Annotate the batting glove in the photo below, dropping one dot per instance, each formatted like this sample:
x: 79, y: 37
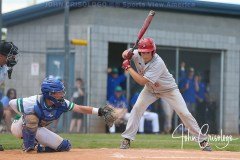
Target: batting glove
x: 126, y: 64
x: 127, y: 54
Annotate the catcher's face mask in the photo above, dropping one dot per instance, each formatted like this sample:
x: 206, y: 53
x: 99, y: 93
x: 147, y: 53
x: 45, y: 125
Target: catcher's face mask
x: 10, y: 52
x: 58, y: 96
x: 12, y: 56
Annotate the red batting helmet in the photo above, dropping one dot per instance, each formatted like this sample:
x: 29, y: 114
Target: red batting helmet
x: 146, y: 45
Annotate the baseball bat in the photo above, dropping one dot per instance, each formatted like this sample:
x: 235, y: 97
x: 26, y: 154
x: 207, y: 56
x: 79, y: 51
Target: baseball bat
x: 143, y: 29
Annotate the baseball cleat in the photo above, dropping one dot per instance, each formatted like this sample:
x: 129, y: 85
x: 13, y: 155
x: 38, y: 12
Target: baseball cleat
x: 205, y: 146
x: 1, y: 148
x: 125, y: 144
x: 29, y: 149
x: 40, y: 148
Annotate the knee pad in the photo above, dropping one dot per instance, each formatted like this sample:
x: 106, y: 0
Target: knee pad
x: 30, y: 121
x: 64, y: 146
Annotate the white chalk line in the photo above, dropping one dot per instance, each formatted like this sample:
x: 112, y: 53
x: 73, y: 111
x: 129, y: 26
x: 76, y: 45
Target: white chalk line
x: 121, y: 156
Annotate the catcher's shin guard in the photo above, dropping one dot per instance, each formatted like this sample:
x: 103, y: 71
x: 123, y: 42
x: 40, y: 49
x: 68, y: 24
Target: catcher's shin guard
x: 30, y: 125
x: 64, y: 146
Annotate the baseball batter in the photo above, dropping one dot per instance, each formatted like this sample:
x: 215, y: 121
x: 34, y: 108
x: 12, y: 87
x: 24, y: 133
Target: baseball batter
x: 39, y: 111
x: 8, y: 58
x: 153, y: 74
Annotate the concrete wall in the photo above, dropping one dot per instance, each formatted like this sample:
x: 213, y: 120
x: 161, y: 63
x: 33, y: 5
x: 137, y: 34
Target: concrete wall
x: 122, y: 25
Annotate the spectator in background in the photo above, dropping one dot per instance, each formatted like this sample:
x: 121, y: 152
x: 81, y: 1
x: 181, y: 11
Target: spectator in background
x: 182, y: 73
x: 119, y: 101
x: 7, y: 111
x: 188, y: 87
x: 114, y: 80
x: 201, y: 97
x: 77, y: 98
x: 147, y: 115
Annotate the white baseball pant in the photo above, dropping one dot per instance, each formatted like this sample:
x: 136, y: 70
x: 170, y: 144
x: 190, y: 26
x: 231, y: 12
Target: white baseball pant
x: 151, y: 116
x: 174, y: 99
x: 148, y: 116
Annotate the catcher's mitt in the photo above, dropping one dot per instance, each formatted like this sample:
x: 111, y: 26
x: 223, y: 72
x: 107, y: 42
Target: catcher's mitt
x: 108, y: 115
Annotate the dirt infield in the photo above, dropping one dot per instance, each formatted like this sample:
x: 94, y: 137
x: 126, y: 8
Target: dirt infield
x: 109, y: 154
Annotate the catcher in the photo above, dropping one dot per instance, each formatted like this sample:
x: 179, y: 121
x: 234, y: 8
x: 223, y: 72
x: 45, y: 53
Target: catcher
x: 39, y: 111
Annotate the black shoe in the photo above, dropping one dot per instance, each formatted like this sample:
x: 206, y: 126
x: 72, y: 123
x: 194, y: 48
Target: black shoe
x: 205, y: 146
x: 1, y: 148
x: 125, y: 144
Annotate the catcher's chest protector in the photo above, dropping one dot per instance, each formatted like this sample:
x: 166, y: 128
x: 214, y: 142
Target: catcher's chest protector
x: 47, y: 115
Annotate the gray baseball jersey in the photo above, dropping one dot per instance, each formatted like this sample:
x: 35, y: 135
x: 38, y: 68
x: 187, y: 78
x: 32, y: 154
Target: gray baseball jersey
x: 160, y: 80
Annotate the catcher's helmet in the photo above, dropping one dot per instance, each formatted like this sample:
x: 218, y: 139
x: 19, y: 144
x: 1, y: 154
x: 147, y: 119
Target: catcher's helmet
x: 9, y: 50
x: 52, y: 85
x: 146, y: 45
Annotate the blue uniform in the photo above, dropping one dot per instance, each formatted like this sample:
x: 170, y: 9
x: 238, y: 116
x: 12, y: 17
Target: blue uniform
x: 112, y: 83
x: 189, y: 94
x: 5, y: 101
x: 182, y: 75
x: 202, y: 91
x: 120, y: 102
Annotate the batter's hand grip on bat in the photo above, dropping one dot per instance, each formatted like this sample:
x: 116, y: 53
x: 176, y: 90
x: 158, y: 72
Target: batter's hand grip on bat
x: 127, y: 54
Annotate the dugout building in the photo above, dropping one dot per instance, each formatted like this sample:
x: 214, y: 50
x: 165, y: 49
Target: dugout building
x: 205, y: 35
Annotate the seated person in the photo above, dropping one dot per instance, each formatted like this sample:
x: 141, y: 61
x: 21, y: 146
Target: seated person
x: 148, y: 115
x: 119, y: 101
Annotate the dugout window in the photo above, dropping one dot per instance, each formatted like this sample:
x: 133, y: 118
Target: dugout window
x: 206, y: 63
x: 168, y: 55
x: 115, y: 54
x: 115, y: 59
